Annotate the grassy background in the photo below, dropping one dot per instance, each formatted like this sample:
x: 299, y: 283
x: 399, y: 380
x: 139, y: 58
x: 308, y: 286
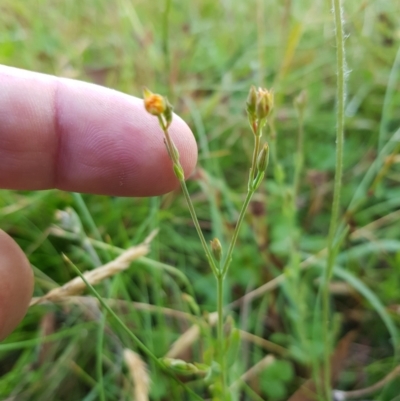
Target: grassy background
x: 205, y: 54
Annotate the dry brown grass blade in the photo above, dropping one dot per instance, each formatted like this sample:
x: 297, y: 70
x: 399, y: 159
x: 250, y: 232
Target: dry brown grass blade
x: 365, y: 392
x: 263, y: 343
x: 139, y: 375
x: 183, y: 342
x: 254, y: 370
x: 89, y: 301
x: 276, y: 282
x: 368, y: 229
x: 95, y: 276
x: 307, y: 392
x: 192, y: 334
x: 188, y: 338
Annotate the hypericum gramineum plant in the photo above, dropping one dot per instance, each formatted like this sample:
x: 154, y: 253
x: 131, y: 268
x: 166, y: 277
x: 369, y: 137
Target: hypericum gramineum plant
x: 259, y: 106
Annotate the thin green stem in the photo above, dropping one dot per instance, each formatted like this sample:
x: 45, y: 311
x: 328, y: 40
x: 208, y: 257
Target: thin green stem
x: 220, y: 331
x: 228, y: 257
x: 260, y: 39
x: 166, y: 47
x: 99, y: 357
x: 294, y: 283
x: 299, y: 159
x: 257, y: 130
x: 87, y: 217
x: 220, y: 287
x: 340, y: 65
x: 175, y: 159
x: 196, y: 223
x: 256, y: 150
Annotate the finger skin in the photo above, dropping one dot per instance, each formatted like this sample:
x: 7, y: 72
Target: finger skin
x: 75, y: 136
x: 16, y: 284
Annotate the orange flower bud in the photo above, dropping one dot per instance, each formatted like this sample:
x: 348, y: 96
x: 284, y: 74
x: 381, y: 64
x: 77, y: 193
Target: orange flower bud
x: 153, y: 103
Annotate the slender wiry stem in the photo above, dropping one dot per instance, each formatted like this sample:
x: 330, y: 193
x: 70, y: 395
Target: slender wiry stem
x: 228, y: 257
x: 225, y: 267
x: 223, y: 271
x: 257, y: 138
x: 198, y: 229
x: 256, y: 151
x: 340, y: 65
x: 299, y: 158
x: 260, y: 39
x: 220, y: 330
x: 257, y: 130
x: 165, y: 45
x: 175, y: 160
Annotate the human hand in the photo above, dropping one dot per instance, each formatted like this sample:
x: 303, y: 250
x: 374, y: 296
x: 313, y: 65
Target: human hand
x: 75, y: 136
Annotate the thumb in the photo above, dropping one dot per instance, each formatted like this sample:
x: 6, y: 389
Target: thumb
x: 16, y: 284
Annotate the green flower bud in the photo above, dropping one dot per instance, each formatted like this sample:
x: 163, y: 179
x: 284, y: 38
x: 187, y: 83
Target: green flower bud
x: 216, y: 249
x: 263, y: 158
x: 168, y: 112
x: 257, y: 181
x: 178, y: 170
x: 251, y: 102
x: 180, y: 366
x: 175, y: 151
x: 265, y: 103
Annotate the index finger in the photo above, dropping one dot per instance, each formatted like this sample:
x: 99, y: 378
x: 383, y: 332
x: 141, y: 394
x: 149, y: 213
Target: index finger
x: 76, y: 136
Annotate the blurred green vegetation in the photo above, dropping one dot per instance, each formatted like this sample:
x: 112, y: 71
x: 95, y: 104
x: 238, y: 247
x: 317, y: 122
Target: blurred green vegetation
x: 205, y: 54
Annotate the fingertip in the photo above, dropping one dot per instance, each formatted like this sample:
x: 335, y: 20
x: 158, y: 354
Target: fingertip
x: 16, y: 284
x: 75, y: 136
x: 110, y: 145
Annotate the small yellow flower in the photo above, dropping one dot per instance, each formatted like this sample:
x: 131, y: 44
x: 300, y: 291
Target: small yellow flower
x: 153, y: 103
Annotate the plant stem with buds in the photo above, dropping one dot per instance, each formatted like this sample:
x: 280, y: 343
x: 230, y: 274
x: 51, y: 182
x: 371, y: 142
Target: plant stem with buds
x: 259, y: 106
